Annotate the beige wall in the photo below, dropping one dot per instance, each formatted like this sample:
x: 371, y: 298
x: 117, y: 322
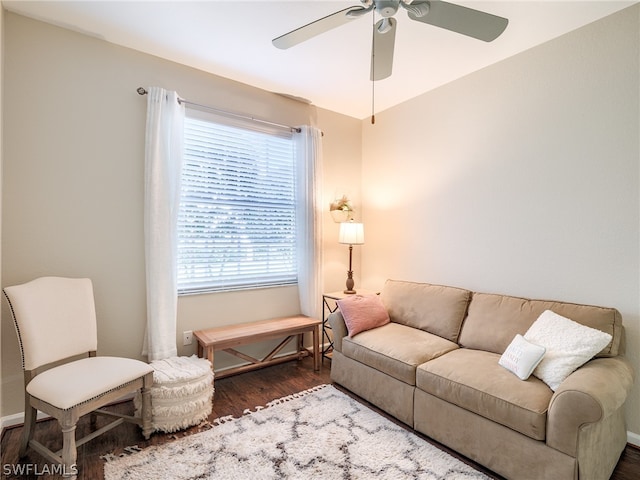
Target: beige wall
x: 1, y: 152
x: 522, y: 178
x: 73, y: 180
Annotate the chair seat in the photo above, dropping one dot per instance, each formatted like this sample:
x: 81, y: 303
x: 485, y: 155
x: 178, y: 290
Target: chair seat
x: 77, y: 382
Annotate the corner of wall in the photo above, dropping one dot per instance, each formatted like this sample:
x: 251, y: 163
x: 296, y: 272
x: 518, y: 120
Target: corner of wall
x: 1, y: 168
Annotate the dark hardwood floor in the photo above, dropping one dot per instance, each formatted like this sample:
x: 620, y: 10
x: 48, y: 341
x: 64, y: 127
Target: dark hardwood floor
x: 233, y: 395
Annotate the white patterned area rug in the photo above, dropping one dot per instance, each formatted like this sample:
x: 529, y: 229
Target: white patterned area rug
x: 321, y: 433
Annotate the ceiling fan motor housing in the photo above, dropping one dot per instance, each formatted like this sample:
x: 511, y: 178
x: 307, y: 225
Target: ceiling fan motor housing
x: 387, y: 8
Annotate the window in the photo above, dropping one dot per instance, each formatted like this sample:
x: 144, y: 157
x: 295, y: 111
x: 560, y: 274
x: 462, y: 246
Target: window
x: 237, y: 223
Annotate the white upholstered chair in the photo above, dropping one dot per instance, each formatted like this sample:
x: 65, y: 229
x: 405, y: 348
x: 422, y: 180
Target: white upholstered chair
x: 55, y: 320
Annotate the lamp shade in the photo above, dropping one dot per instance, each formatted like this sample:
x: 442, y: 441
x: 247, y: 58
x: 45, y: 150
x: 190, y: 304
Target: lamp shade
x: 351, y: 233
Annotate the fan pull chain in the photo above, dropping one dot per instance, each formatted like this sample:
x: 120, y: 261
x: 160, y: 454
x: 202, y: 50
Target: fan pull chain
x: 373, y: 70
x: 373, y: 100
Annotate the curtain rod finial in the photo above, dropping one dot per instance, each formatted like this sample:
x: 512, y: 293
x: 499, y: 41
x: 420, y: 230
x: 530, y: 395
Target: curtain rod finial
x: 141, y: 91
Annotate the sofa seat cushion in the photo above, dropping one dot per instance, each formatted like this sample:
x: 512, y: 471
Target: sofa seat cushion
x: 396, y: 349
x: 473, y: 380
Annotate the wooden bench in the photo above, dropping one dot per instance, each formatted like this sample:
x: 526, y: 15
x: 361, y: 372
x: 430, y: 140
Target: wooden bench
x: 228, y: 337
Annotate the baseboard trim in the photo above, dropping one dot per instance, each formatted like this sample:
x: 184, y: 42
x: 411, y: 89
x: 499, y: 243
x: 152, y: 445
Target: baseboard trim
x: 633, y: 439
x: 18, y: 419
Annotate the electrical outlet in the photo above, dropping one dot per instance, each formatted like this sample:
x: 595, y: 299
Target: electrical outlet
x: 187, y: 337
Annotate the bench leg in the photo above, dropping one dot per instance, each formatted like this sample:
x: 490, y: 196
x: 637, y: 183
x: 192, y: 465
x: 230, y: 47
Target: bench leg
x: 316, y: 349
x: 210, y: 357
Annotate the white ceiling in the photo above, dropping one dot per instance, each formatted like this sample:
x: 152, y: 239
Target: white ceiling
x: 233, y: 39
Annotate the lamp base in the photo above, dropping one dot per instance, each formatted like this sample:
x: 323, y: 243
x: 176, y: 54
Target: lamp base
x: 350, y: 283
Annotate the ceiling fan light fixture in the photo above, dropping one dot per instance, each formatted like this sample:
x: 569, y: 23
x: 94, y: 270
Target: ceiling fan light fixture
x: 384, y: 25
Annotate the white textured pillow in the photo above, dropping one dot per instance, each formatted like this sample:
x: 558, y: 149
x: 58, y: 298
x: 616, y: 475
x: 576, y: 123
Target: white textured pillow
x: 569, y: 346
x: 521, y: 357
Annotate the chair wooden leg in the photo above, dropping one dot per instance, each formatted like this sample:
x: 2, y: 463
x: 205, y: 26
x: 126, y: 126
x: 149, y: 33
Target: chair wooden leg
x: 30, y: 414
x: 93, y: 420
x: 147, y: 427
x: 69, y: 451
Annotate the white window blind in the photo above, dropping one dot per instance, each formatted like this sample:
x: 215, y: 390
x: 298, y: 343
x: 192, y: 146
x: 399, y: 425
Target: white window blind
x: 236, y: 225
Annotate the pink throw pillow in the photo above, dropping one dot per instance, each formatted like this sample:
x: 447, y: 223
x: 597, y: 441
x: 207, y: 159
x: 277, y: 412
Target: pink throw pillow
x: 363, y: 312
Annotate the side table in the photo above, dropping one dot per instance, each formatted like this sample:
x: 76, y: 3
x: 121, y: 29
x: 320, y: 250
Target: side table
x: 329, y: 305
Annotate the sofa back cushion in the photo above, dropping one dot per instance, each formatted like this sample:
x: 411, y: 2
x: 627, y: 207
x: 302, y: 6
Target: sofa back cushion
x: 433, y: 308
x: 494, y: 320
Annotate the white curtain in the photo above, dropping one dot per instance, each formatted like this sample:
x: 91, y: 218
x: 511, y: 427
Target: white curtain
x: 163, y: 164
x: 308, y: 219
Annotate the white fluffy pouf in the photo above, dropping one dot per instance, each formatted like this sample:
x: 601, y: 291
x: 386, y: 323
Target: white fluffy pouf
x: 182, y: 393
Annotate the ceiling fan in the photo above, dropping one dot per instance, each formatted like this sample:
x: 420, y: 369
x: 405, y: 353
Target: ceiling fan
x: 459, y: 19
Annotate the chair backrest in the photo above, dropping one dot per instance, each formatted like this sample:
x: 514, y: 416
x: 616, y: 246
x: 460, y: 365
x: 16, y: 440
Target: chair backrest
x: 55, y: 319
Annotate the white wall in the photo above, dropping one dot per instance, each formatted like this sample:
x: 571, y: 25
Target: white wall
x: 73, y: 180
x: 522, y: 179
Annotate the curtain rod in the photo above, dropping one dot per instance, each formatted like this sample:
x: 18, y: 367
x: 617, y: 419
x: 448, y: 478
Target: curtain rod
x: 143, y: 91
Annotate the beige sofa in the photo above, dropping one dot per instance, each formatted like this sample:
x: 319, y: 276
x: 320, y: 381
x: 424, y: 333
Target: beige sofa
x: 435, y: 368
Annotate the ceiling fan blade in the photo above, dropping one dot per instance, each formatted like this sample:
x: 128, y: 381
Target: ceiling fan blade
x: 384, y: 39
x: 312, y: 29
x: 459, y: 19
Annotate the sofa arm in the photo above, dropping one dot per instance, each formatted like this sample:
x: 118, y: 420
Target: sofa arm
x: 590, y: 394
x: 338, y: 328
